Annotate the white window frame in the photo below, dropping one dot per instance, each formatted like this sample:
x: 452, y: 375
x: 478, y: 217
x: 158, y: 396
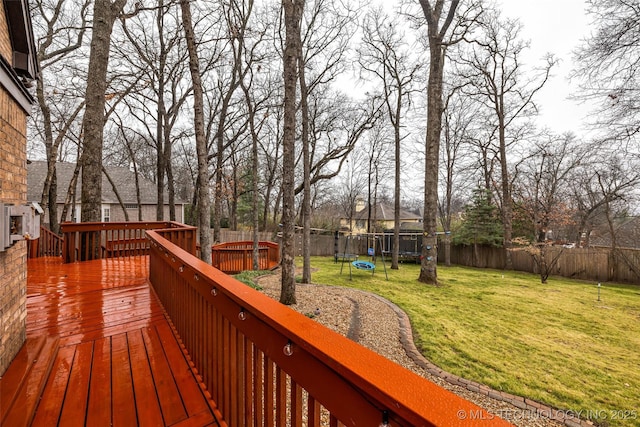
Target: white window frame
x: 106, y: 213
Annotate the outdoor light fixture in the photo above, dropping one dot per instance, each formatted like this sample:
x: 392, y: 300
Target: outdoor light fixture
x: 288, y: 349
x: 385, y: 419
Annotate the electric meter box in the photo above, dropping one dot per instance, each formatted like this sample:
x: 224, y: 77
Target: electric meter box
x: 19, y: 223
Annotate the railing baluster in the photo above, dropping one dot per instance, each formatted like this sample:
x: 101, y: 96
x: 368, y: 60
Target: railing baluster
x: 296, y: 404
x: 246, y: 397
x: 281, y: 396
x: 234, y: 376
x: 257, y: 387
x: 313, y: 412
x: 269, y: 391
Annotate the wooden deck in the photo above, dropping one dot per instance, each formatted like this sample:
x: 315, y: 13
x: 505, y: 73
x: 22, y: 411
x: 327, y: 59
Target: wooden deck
x: 99, y: 352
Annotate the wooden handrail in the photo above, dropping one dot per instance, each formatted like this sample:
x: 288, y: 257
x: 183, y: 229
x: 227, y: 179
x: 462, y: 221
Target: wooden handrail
x: 262, y: 361
x: 48, y: 244
x: 84, y: 241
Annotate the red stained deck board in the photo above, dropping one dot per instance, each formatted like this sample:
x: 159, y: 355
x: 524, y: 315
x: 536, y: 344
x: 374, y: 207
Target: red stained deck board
x: 48, y: 412
x: 13, y: 378
x: 168, y: 394
x: 114, y: 360
x: 147, y: 405
x: 74, y: 407
x: 99, y: 405
x: 122, y: 383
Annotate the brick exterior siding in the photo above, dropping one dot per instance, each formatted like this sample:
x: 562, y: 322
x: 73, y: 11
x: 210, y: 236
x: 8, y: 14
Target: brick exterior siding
x: 13, y: 190
x: 5, y: 41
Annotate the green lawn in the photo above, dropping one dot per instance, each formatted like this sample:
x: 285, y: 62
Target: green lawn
x: 555, y: 343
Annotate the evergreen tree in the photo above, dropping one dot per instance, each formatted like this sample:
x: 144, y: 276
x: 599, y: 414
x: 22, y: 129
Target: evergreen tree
x: 481, y: 225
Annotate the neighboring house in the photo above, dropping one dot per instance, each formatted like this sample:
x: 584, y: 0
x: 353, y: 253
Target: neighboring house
x: 627, y: 231
x: 112, y: 211
x: 382, y: 218
x: 18, y: 68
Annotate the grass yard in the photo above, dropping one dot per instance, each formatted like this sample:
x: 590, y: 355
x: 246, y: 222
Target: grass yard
x: 555, y: 343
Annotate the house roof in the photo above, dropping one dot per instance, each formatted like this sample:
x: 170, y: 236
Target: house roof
x: 23, y: 45
x: 384, y: 212
x: 123, y: 179
x: 627, y: 232
x: 21, y: 67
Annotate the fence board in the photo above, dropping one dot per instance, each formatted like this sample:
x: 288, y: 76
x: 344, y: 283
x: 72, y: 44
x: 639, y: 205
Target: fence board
x: 592, y: 263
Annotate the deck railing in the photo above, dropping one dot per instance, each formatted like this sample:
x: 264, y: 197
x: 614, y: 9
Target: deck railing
x: 265, y: 364
x: 93, y: 240
x: 234, y: 257
x: 48, y: 244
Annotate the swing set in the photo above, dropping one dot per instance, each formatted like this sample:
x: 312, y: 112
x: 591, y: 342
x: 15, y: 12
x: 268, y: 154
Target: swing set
x: 373, y: 243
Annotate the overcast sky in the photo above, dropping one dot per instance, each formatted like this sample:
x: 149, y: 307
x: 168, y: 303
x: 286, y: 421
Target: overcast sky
x: 555, y: 26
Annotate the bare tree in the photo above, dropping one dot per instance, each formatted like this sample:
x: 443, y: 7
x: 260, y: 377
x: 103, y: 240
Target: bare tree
x: 541, y: 196
x: 293, y: 10
x: 386, y: 55
x: 204, y: 203
x: 608, y: 67
x: 105, y: 13
x: 439, y: 15
x: 258, y: 100
x: 327, y: 26
x: 543, y: 188
x: 378, y: 154
x: 223, y: 124
x: 60, y: 28
x: 351, y: 186
x: 500, y: 83
x: 153, y: 51
x: 460, y: 119
x: 601, y: 186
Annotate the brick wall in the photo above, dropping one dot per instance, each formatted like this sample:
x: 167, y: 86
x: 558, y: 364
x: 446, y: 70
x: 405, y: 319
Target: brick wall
x: 13, y: 189
x: 5, y: 41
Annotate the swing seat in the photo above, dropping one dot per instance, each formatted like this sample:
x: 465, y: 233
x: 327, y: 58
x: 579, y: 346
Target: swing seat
x: 363, y: 265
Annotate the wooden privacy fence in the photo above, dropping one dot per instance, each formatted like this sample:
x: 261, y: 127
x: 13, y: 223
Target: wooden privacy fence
x: 94, y: 240
x: 234, y: 257
x: 265, y: 364
x: 592, y: 263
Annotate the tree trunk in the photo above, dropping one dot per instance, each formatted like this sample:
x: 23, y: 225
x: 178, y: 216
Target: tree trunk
x: 396, y: 192
x: 292, y: 18
x: 71, y: 195
x: 52, y: 200
x: 104, y: 14
x: 204, y: 204
x: 306, y: 160
x: 436, y: 34
x: 507, y: 209
x: 428, y: 264
x: 160, y: 157
x: 161, y: 160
